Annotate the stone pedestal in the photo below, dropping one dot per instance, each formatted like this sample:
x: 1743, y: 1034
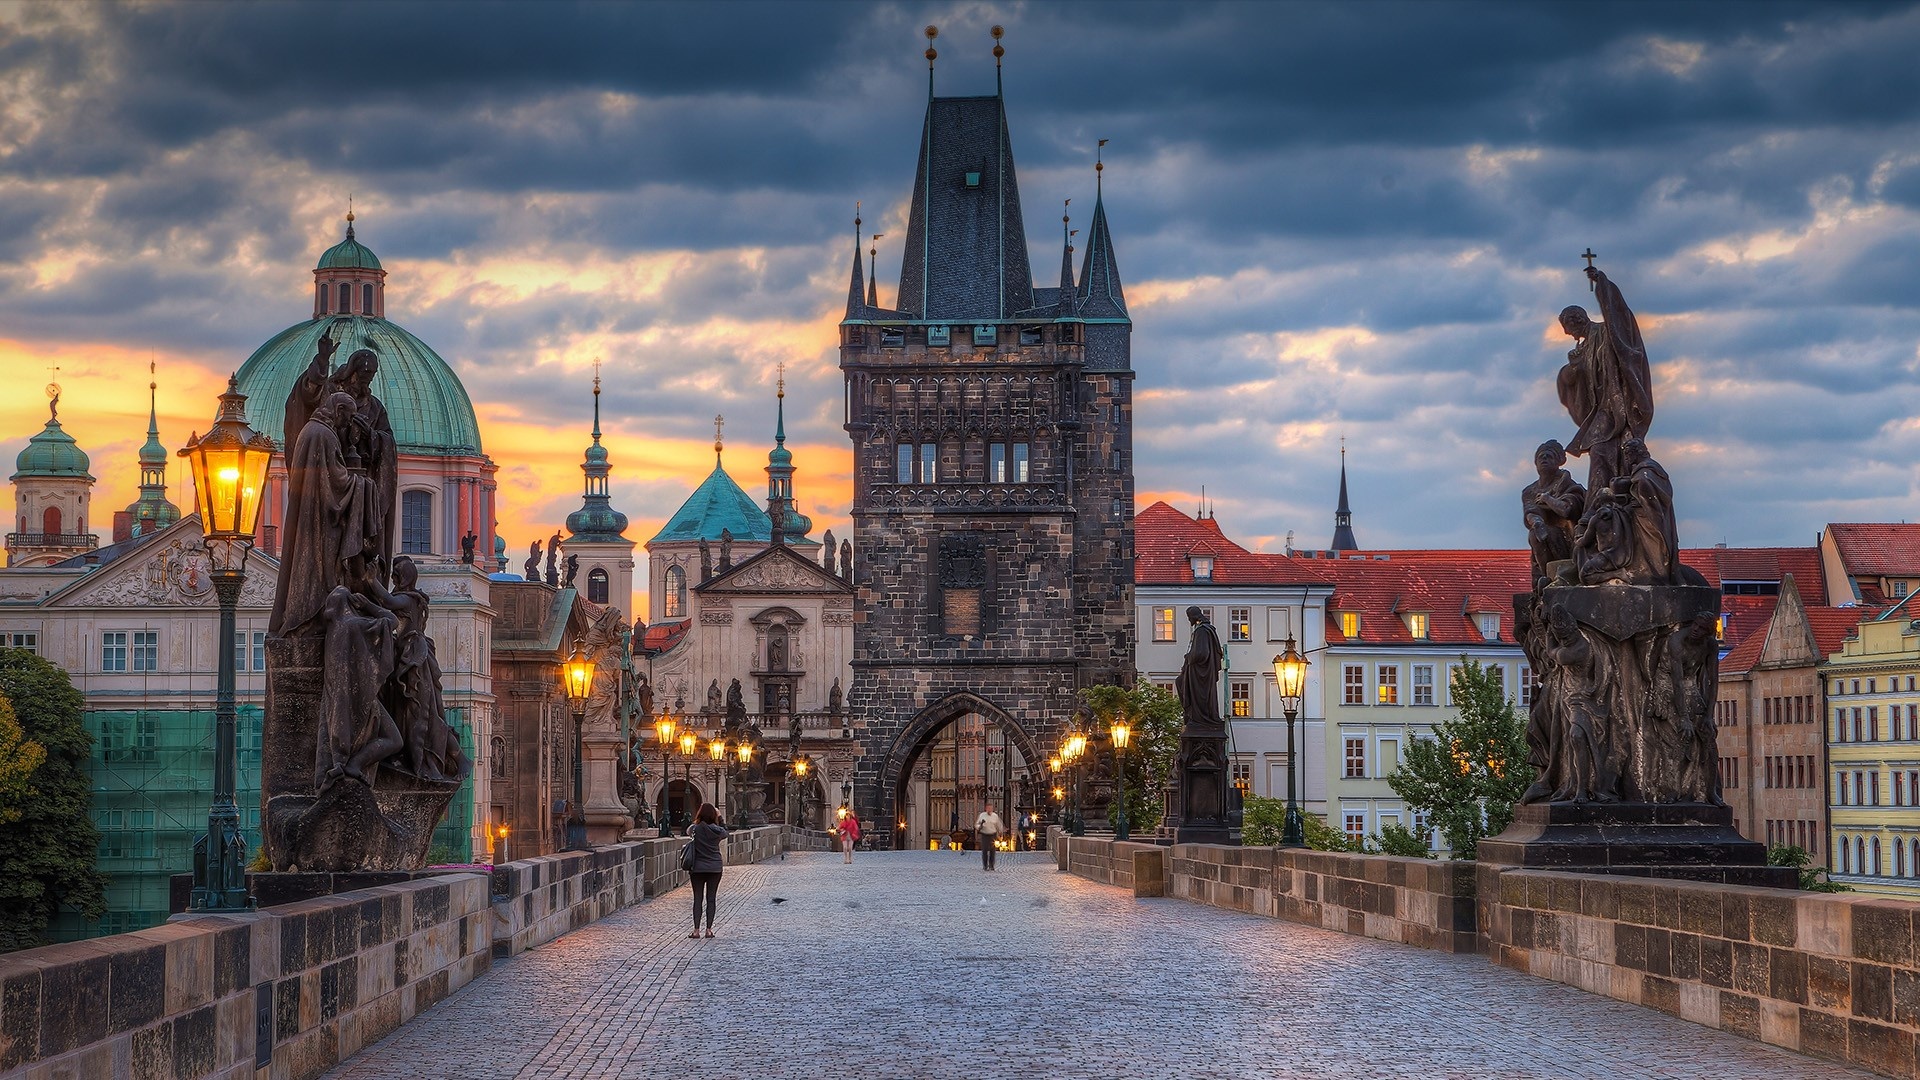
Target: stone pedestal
x: 1202, y: 768
x: 607, y: 817
x: 1689, y: 841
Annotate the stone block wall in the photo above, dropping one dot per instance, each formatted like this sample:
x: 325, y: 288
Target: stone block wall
x: 284, y: 993
x: 1832, y: 975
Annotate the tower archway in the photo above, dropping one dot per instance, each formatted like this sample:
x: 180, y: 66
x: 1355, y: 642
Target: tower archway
x: 955, y: 757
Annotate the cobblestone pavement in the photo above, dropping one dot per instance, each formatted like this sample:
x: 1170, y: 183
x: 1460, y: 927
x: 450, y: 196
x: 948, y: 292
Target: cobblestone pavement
x: 917, y: 964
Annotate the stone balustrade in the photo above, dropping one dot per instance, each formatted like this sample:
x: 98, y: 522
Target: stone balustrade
x: 291, y: 991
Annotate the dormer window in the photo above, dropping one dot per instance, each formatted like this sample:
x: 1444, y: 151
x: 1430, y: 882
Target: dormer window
x: 1202, y: 567
x: 1489, y: 623
x: 939, y: 335
x: 986, y: 335
x: 1350, y: 624
x: 1417, y: 624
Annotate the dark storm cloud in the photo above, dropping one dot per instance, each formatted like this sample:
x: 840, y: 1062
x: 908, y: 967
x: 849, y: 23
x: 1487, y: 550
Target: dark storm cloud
x: 1333, y: 219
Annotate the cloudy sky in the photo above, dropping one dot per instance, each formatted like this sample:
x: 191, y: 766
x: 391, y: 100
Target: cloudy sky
x: 1350, y: 220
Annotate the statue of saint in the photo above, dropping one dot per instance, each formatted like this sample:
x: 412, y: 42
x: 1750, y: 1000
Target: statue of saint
x: 1649, y: 495
x: 834, y: 697
x: 356, y: 732
x: 706, y: 561
x: 1198, y: 683
x: 826, y: 552
x: 736, y: 704
x: 726, y: 550
x: 532, y: 570
x: 1606, y: 385
x: 572, y: 571
x: 714, y: 707
x: 466, y: 547
x: 846, y: 559
x: 553, y: 561
x: 413, y: 693
x: 331, y: 533
x: 1550, y: 506
x: 366, y: 440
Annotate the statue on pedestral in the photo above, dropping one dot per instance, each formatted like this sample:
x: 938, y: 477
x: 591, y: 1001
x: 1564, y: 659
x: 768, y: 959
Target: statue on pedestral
x: 1198, y: 683
x: 835, y: 698
x: 1549, y: 507
x: 553, y: 561
x: 467, y: 543
x: 331, y: 537
x: 356, y: 732
x: 714, y: 707
x: 572, y: 571
x: 413, y: 694
x: 532, y: 570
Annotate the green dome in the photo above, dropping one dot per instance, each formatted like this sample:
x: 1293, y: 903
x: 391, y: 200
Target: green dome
x: 349, y: 254
x: 596, y: 522
x: 718, y: 503
x: 426, y: 404
x: 53, y: 454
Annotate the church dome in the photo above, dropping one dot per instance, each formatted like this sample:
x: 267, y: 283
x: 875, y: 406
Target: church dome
x: 53, y: 454
x: 349, y: 254
x: 427, y: 405
x: 717, y: 504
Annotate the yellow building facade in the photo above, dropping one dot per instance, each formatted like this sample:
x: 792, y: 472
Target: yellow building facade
x: 1873, y: 756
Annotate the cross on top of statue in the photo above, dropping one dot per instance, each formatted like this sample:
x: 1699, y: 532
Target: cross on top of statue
x: 1589, y: 256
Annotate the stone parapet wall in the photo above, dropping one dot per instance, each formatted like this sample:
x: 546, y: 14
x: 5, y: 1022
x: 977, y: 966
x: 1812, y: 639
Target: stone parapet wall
x: 289, y: 992
x: 536, y: 900
x: 1835, y: 976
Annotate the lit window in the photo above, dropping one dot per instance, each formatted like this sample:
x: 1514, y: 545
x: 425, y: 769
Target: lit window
x: 1242, y: 697
x: 416, y: 522
x: 1417, y: 624
x: 1163, y: 624
x: 1423, y: 684
x: 1353, y: 679
x: 1356, y: 758
x: 1240, y: 624
x: 1356, y: 826
x: 1388, y: 680
x: 1350, y: 624
x: 675, y: 605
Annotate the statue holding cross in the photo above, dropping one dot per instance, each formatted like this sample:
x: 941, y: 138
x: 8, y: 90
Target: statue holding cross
x: 1606, y: 384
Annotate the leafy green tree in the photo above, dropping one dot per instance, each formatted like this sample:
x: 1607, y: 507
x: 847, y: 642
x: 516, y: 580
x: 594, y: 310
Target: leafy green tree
x: 19, y: 757
x: 1812, y: 878
x: 1468, y: 776
x: 47, y: 856
x: 1153, y: 713
x: 1265, y: 819
x: 1396, y: 839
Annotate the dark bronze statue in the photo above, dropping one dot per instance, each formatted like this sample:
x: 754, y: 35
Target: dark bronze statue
x: 846, y: 560
x: 835, y: 698
x: 1201, y: 764
x: 532, y: 570
x: 572, y: 571
x: 413, y: 693
x: 467, y: 543
x: 553, y: 561
x: 1606, y: 384
x: 726, y: 550
x: 827, y: 552
x: 1198, y: 683
x: 1549, y: 507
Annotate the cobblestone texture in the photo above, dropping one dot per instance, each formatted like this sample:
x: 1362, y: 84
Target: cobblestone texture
x: 896, y: 965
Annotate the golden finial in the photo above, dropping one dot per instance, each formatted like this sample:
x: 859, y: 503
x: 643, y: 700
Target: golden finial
x: 998, y: 50
x: 856, y: 213
x: 782, y: 369
x: 931, y: 32
x: 874, y: 245
x: 596, y: 375
x: 719, y: 423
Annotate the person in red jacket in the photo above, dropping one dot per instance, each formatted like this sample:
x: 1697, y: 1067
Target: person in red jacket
x: 848, y: 830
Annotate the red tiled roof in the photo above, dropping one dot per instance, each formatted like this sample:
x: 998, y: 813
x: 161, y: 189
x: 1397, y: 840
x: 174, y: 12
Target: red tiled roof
x: 1747, y: 652
x: 662, y: 637
x: 1831, y: 626
x: 1718, y: 565
x: 1446, y: 586
x: 1878, y: 550
x: 1163, y: 538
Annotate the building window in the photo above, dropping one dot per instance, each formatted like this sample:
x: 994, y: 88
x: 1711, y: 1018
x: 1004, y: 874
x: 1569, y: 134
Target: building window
x: 321, y: 303
x: 903, y: 463
x: 259, y: 650
x: 1356, y: 757
x: 675, y: 605
x: 597, y: 585
x: 1202, y: 567
x: 366, y: 298
x: 929, y: 463
x: 1241, y: 694
x: 1489, y: 622
x: 1353, y: 677
x: 146, y: 650
x: 1356, y: 826
x: 1243, y: 775
x: 1423, y: 684
x: 1453, y: 680
x: 997, y: 462
x: 1163, y: 624
x: 29, y: 642
x: 416, y: 522
x: 1526, y: 686
x: 1018, y: 454
x: 1388, y: 680
x: 1499, y: 675
x: 1350, y: 624
x: 113, y: 650
x: 1417, y: 624
x: 1240, y: 624
x: 346, y: 297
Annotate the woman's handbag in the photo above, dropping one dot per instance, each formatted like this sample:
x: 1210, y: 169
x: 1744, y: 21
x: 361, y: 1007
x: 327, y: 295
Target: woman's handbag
x: 686, y: 856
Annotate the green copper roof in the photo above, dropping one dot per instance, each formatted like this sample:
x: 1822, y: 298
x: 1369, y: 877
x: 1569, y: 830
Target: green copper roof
x: 349, y: 254
x: 718, y: 503
x: 426, y: 404
x: 52, y: 453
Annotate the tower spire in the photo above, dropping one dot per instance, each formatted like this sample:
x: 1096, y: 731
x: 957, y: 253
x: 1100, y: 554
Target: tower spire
x: 873, y: 269
x: 854, y: 307
x: 1343, y: 514
x: 596, y: 401
x: 349, y: 216
x: 719, y: 426
x: 998, y: 52
x: 1101, y: 296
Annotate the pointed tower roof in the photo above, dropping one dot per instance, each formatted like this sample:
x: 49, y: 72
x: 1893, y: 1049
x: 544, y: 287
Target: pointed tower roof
x: 856, y: 306
x: 1343, y: 515
x: 596, y: 521
x: 1069, y: 302
x: 785, y: 520
x: 153, y: 504
x: 717, y: 505
x: 965, y: 255
x: 1100, y: 294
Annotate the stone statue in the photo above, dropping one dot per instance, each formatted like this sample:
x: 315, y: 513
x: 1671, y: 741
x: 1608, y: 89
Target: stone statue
x: 706, y: 561
x: 826, y: 552
x: 1656, y: 536
x: 714, y: 707
x: 1198, y: 683
x: 466, y: 547
x: 736, y: 705
x: 726, y: 550
x: 846, y: 559
x: 356, y: 732
x: 553, y: 561
x: 834, y: 697
x: 572, y: 571
x: 331, y: 536
x: 1549, y: 507
x: 366, y: 438
x: 1606, y: 384
x: 643, y: 691
x: 532, y: 570
x: 413, y: 694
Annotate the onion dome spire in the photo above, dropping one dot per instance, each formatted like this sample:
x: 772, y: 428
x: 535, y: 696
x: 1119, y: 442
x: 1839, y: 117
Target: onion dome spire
x: 788, y: 523
x: 596, y: 520
x: 152, y: 510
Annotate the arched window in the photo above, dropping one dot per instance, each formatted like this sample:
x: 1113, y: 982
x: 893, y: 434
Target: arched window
x: 50, y: 521
x: 1859, y: 855
x: 597, y: 586
x: 320, y: 300
x: 1876, y: 857
x: 498, y: 748
x: 366, y: 298
x: 416, y: 522
x: 346, y: 297
x: 674, y: 606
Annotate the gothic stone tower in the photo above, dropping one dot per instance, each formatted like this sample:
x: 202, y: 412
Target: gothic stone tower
x: 993, y: 489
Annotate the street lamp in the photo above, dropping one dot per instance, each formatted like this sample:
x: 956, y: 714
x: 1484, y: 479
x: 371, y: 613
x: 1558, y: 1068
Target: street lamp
x: 794, y: 787
x: 576, y: 676
x: 1071, y: 750
x: 663, y: 728
x: 1290, y: 674
x: 500, y: 847
x: 689, y: 742
x: 1122, y: 734
x: 229, y: 466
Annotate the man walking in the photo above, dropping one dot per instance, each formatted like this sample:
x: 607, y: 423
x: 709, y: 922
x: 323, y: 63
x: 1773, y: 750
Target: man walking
x: 986, y: 829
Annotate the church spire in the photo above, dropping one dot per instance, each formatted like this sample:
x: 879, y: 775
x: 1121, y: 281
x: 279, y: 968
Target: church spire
x: 873, y: 267
x: 151, y: 511
x: 596, y: 521
x: 855, y: 308
x: 1067, y: 305
x: 788, y: 523
x: 1343, y: 514
x: 1100, y: 294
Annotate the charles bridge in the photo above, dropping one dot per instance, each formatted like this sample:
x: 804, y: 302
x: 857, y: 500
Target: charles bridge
x: 1136, y: 960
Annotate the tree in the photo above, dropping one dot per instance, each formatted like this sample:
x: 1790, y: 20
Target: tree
x: 1468, y: 776
x: 19, y: 757
x: 1153, y: 712
x: 47, y: 857
x: 1396, y: 839
x: 1264, y: 819
x: 1812, y: 878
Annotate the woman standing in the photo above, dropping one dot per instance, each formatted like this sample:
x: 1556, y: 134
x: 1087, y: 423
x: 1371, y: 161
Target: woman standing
x: 705, y: 836
x: 848, y: 830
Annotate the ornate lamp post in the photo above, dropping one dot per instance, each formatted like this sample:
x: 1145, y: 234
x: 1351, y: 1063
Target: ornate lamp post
x: 1122, y: 734
x: 1072, y: 750
x: 229, y: 467
x: 663, y: 729
x: 689, y: 742
x: 739, y: 774
x: 799, y: 769
x: 500, y: 847
x: 576, y: 674
x: 1290, y: 673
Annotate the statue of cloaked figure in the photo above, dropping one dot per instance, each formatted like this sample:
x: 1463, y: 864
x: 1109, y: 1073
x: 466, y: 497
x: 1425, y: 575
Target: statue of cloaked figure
x: 413, y: 692
x: 332, y: 533
x: 1606, y: 385
x: 1198, y: 683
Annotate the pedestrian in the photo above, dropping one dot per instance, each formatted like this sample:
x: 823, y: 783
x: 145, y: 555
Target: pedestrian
x: 1020, y: 841
x: 986, y: 831
x: 705, y: 835
x: 848, y: 829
